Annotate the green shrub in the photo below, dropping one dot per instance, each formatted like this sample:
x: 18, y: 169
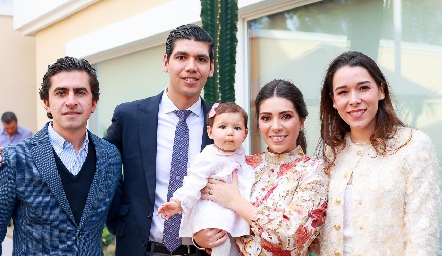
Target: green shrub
x: 107, y: 242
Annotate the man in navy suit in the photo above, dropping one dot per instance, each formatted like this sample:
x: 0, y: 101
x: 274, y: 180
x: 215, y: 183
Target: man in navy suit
x: 58, y: 185
x: 144, y: 132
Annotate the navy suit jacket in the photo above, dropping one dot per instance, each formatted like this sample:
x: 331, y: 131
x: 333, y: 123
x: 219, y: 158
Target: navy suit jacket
x: 134, y: 132
x: 32, y: 193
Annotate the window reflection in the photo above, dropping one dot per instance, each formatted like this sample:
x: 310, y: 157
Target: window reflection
x: 298, y: 45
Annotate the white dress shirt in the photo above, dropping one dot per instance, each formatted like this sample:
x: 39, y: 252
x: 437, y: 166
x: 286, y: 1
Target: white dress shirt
x: 167, y: 121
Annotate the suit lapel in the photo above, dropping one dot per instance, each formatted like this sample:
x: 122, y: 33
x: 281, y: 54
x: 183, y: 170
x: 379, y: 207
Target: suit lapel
x: 43, y: 156
x: 96, y: 189
x: 206, y: 140
x: 147, y: 128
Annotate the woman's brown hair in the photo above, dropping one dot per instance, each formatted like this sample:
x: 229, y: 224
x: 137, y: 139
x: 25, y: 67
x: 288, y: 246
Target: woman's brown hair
x: 334, y: 129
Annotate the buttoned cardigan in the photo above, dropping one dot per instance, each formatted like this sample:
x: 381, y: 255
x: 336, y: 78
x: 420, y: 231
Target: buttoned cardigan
x: 396, y: 201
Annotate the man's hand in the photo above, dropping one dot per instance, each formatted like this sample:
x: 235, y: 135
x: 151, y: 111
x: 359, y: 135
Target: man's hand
x: 1, y: 149
x: 211, y: 237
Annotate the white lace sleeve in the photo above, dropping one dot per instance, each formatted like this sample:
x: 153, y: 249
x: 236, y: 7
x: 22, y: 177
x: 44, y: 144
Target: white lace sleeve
x: 422, y: 198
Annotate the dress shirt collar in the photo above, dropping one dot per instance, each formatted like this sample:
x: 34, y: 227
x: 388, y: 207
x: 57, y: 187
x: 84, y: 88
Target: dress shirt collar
x: 168, y: 105
x: 59, y: 143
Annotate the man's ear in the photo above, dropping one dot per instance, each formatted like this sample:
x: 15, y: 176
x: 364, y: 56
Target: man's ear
x: 212, y: 68
x: 94, y: 105
x: 46, y: 106
x: 165, y: 63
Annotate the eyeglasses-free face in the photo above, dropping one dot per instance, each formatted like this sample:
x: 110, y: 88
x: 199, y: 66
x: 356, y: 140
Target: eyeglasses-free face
x: 356, y: 98
x: 279, y: 124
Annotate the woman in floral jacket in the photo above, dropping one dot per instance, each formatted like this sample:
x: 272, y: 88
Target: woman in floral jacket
x: 384, y: 193
x: 289, y: 195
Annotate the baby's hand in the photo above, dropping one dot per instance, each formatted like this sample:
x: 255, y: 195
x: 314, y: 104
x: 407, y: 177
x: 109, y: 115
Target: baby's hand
x: 169, y: 209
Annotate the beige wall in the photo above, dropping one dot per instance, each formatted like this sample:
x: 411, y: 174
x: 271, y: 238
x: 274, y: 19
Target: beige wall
x: 128, y: 78
x: 51, y: 40
x: 17, y: 72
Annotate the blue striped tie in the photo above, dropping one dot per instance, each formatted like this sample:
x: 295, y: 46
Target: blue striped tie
x: 178, y: 170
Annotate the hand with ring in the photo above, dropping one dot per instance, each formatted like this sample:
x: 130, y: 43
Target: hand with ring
x: 221, y: 192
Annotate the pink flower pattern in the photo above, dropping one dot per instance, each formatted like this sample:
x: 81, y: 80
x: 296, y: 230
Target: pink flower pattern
x: 290, y: 192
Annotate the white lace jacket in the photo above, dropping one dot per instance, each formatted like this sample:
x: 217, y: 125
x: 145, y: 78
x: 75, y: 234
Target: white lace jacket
x: 396, y: 201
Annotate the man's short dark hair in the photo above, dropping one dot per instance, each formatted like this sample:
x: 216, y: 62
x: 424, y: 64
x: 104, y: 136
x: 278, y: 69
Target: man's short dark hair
x: 69, y: 64
x: 190, y: 32
x: 9, y: 117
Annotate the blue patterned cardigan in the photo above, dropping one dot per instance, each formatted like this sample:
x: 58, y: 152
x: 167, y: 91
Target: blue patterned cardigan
x: 32, y: 193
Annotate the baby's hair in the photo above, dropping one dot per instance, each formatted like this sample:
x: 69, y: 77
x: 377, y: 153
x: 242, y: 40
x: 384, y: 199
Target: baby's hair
x: 227, y: 107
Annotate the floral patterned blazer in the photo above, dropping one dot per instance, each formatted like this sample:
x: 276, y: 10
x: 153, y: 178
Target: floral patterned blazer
x: 290, y: 192
x: 395, y: 198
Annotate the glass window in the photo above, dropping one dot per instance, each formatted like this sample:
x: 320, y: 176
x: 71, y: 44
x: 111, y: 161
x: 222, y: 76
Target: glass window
x: 403, y: 37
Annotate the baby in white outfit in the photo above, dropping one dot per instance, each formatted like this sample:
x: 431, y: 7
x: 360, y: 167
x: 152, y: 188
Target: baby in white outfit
x: 227, y: 126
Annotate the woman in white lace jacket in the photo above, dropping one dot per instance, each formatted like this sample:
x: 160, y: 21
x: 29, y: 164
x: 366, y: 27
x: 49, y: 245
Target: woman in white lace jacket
x: 384, y: 192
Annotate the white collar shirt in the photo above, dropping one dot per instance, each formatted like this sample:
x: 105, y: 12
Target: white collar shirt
x: 167, y: 122
x: 66, y: 151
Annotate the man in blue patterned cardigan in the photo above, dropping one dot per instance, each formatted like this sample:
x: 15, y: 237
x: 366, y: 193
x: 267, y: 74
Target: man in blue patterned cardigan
x: 58, y: 184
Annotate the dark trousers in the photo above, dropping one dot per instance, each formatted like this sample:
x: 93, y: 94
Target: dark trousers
x: 157, y: 249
